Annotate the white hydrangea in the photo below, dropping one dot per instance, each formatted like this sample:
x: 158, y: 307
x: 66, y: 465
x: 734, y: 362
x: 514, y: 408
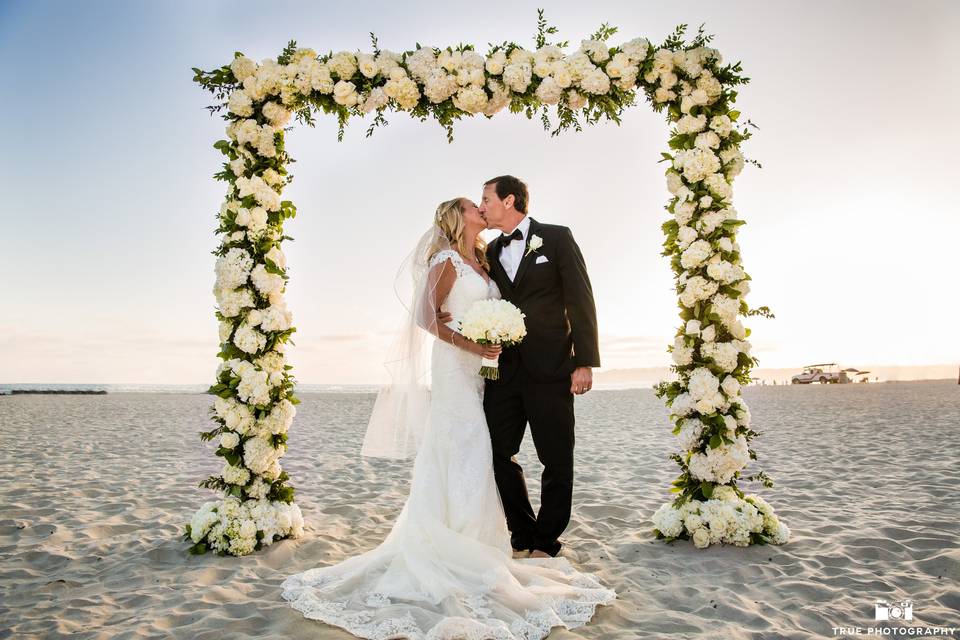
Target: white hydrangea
x: 685, y: 237
x: 254, y: 388
x: 704, y: 389
x: 668, y: 521
x: 707, y: 140
x: 683, y: 212
x: 733, y: 161
x: 276, y: 317
x: 691, y: 124
x: 260, y: 190
x: 233, y: 268
x: 722, y: 125
x: 240, y: 103
x: 235, y: 475
x: 279, y: 419
x: 517, y: 76
x: 236, y: 416
x: 724, y: 354
x: 231, y: 302
x: 726, y: 308
x: 259, y: 454
x: 596, y: 49
x: 696, y: 289
x: 344, y: 64
x: 596, y: 82
x: 725, y: 272
x: 682, y: 354
x: 471, y: 99
x: 242, y: 68
x: 277, y: 114
x: 697, y: 164
x: 549, y: 92
x: 696, y: 254
x: 266, y: 282
x: 721, y: 463
x: 718, y: 185
x: 690, y: 434
x: 710, y: 85
x: 248, y: 339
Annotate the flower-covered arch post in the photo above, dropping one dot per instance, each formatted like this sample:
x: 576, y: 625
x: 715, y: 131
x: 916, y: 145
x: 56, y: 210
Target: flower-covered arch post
x: 686, y: 80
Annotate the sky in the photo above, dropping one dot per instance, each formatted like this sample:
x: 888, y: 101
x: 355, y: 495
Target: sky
x: 109, y: 206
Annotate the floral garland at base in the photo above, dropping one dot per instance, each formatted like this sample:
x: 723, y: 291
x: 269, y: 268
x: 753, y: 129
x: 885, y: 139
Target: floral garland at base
x: 685, y: 80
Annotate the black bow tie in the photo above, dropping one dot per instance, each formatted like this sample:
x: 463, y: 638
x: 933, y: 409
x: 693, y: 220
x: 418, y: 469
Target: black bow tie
x: 516, y: 235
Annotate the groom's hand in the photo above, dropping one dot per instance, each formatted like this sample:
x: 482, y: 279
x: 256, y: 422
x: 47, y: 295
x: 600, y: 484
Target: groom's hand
x: 443, y: 317
x: 581, y: 380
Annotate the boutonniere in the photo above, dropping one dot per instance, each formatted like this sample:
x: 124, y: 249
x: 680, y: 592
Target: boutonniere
x: 535, y: 243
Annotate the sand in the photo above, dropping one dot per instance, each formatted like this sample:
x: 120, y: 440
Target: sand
x: 95, y: 491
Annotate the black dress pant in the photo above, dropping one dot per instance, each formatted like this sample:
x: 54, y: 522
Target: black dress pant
x: 548, y: 407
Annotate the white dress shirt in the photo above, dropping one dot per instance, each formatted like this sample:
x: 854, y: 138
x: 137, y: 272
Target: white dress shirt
x: 511, y: 254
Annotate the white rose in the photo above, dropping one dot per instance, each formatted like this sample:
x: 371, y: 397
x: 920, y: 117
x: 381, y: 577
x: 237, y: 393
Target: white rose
x: 730, y: 386
x: 367, y: 64
x: 345, y: 93
x: 229, y: 439
x: 576, y: 101
x: 496, y: 63
x: 663, y: 95
x: 709, y: 334
x: 701, y: 538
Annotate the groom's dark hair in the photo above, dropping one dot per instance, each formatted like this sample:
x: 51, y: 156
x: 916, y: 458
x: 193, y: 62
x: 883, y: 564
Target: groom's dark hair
x: 511, y: 186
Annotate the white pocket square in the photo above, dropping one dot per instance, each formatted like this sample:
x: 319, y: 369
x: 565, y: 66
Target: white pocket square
x: 541, y: 260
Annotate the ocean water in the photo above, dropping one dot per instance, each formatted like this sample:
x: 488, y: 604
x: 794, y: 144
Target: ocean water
x: 5, y: 389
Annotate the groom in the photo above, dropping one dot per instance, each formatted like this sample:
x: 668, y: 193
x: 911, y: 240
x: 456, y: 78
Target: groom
x: 539, y: 268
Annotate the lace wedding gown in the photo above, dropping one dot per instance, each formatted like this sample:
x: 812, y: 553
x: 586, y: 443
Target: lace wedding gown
x: 446, y: 569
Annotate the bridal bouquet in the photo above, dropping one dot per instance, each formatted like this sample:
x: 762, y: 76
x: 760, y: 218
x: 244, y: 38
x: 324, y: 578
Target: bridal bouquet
x: 493, y: 322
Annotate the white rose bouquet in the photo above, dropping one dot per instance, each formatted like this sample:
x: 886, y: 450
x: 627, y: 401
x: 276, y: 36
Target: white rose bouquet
x: 493, y: 322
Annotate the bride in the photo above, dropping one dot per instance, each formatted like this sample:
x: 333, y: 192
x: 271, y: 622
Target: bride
x: 446, y: 568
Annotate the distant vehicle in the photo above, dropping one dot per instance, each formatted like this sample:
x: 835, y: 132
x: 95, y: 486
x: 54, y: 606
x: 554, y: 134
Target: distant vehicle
x: 826, y: 373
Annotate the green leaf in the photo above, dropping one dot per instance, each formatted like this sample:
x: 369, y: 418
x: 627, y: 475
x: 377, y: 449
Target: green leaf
x: 706, y: 488
x: 715, y: 441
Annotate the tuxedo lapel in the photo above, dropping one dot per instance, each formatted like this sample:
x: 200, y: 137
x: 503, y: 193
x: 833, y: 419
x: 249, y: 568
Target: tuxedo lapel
x: 496, y: 269
x: 528, y: 257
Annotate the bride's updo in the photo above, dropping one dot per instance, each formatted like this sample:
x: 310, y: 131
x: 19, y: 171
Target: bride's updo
x: 449, y: 219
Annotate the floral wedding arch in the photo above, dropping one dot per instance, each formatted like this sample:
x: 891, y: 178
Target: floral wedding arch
x: 254, y: 389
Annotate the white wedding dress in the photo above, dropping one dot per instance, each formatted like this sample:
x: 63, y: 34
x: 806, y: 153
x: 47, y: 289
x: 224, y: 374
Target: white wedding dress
x: 446, y: 569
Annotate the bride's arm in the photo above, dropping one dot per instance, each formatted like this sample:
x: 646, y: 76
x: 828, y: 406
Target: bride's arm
x: 439, y: 283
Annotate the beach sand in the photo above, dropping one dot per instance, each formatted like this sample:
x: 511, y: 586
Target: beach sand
x: 96, y: 489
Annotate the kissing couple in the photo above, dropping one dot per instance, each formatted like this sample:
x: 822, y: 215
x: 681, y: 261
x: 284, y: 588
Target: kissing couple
x: 467, y: 557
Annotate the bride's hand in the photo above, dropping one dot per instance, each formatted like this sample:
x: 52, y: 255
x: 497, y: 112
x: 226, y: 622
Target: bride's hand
x: 489, y: 351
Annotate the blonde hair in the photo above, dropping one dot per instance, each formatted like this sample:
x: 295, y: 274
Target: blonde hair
x: 449, y: 218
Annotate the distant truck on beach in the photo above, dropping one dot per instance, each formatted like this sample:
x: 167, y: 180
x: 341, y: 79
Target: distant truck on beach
x: 826, y: 373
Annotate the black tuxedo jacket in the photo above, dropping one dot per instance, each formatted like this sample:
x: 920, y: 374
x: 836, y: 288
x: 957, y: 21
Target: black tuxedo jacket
x: 557, y: 299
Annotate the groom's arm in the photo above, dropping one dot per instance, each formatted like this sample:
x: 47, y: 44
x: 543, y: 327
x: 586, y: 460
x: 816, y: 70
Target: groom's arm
x: 579, y: 303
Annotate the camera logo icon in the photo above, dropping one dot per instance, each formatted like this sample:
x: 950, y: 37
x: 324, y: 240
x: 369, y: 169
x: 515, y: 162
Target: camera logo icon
x: 894, y: 610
